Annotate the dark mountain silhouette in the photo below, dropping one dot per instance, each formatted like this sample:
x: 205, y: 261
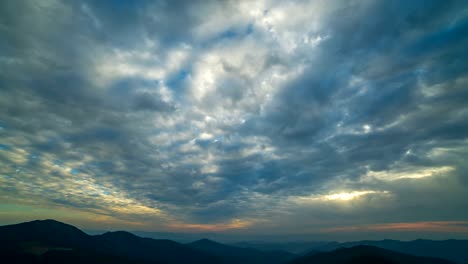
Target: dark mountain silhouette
x: 49, y: 241
x: 365, y: 254
x: 126, y: 244
x: 49, y: 232
x: 231, y: 254
x: 299, y: 248
x: 70, y: 257
x: 454, y: 250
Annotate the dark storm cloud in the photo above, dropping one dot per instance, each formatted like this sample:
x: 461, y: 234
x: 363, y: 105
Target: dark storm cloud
x: 210, y: 112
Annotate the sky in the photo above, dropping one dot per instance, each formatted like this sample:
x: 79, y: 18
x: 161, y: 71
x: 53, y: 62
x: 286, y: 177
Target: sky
x: 319, y: 119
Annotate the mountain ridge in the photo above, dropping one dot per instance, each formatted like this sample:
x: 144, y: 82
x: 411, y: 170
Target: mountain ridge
x: 51, y: 241
x: 363, y: 254
x: 452, y: 249
x: 231, y: 254
x: 21, y: 239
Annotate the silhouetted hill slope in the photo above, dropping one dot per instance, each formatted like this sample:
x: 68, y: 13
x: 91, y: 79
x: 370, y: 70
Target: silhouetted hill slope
x: 299, y: 248
x: 69, y: 257
x: 454, y: 250
x: 50, y: 232
x: 231, y: 254
x: 50, y: 241
x: 364, y: 255
x: 126, y: 244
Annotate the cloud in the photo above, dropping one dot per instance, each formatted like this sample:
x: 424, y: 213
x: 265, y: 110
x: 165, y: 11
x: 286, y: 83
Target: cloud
x: 235, y: 115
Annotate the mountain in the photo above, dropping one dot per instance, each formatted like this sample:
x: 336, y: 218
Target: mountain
x: 69, y: 257
x: 126, y: 244
x: 49, y: 241
x: 454, y: 250
x: 52, y: 242
x: 366, y: 254
x: 49, y: 232
x: 231, y: 254
x: 298, y: 248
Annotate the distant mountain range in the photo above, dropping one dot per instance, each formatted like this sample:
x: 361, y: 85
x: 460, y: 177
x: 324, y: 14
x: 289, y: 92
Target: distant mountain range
x: 50, y: 242
x: 454, y: 250
x: 299, y: 248
x: 232, y: 255
x: 366, y: 254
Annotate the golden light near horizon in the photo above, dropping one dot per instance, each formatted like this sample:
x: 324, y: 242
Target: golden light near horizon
x: 342, y: 196
x: 417, y: 173
x: 346, y: 196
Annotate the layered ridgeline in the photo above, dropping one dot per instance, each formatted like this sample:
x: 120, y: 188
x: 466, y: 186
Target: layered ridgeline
x: 452, y: 249
x: 232, y: 255
x: 366, y: 255
x: 49, y: 241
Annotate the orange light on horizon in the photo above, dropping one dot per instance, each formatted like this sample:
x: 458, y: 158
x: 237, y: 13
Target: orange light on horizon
x: 429, y: 226
x: 234, y: 224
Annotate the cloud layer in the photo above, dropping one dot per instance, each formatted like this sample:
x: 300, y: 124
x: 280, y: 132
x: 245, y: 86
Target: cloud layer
x: 245, y: 116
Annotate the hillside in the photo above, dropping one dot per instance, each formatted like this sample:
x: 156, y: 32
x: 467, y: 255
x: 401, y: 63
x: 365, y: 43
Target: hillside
x: 49, y: 241
x: 366, y: 254
x: 454, y: 250
x: 53, y: 242
x: 231, y: 254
